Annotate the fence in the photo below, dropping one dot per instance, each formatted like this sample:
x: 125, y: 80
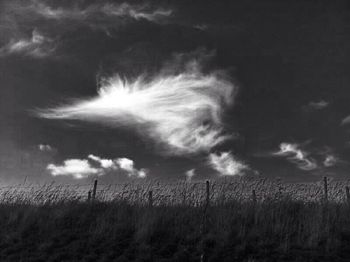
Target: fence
x: 155, y: 193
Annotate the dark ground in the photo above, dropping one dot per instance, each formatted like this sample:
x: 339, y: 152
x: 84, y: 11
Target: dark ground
x: 269, y: 231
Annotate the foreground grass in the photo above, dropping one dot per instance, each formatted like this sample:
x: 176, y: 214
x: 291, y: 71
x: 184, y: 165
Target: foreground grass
x: 281, y: 230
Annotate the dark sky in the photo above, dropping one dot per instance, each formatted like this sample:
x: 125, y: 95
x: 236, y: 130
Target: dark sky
x: 169, y: 89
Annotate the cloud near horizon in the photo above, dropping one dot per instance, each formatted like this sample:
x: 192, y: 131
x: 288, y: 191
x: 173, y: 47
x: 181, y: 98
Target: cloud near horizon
x: 182, y: 112
x: 94, y: 165
x: 296, y: 156
x: 226, y: 164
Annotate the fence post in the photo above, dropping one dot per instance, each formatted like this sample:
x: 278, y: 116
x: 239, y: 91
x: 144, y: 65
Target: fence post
x: 207, y: 192
x: 254, y: 196
x: 94, y: 190
x: 347, y: 191
x: 325, y: 185
x: 89, y: 196
x: 150, y: 198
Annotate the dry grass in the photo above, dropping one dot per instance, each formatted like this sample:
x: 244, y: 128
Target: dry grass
x: 289, y: 222
x: 178, y: 193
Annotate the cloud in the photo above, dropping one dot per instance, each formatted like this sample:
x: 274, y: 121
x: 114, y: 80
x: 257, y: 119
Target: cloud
x: 104, y: 10
x: 77, y: 168
x: 58, y: 18
x: 36, y: 46
x: 181, y: 112
x: 45, y: 148
x: 226, y: 164
x: 105, y: 163
x: 190, y: 174
x: 136, y: 12
x: 296, y: 156
x: 330, y: 160
x: 346, y: 120
x: 95, y: 165
x: 319, y: 105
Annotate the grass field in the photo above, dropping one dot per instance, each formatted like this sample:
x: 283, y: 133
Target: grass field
x: 287, y: 222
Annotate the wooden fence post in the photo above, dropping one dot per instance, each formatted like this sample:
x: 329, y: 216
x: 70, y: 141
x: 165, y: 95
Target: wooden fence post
x: 347, y: 191
x: 94, y: 190
x: 150, y: 198
x: 325, y: 185
x: 254, y: 196
x: 89, y: 196
x: 207, y: 192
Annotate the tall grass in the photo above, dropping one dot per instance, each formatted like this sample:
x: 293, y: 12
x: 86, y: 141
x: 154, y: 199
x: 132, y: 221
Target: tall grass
x: 177, y: 193
x: 288, y: 222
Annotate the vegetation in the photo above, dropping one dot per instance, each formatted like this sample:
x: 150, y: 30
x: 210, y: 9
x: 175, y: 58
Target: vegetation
x: 56, y: 224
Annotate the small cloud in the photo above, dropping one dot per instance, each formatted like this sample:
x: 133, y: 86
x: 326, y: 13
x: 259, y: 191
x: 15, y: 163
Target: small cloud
x: 226, y: 164
x: 77, y: 168
x: 346, y: 120
x: 296, y: 156
x: 201, y: 27
x: 318, y: 105
x: 95, y: 165
x: 330, y: 161
x: 36, y: 46
x: 45, y: 148
x: 190, y: 174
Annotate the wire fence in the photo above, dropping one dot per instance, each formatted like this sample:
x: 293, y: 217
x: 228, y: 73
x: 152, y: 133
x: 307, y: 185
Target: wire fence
x: 195, y: 193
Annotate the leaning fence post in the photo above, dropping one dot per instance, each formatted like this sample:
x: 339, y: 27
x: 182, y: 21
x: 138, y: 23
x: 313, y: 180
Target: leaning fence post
x: 347, y: 191
x: 150, y: 198
x: 254, y: 196
x: 94, y: 190
x: 325, y: 185
x: 89, y: 196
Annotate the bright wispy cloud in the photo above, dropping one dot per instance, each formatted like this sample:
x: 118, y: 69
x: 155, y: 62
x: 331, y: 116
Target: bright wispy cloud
x: 226, y: 164
x: 95, y: 165
x: 36, y: 46
x: 182, y: 112
x: 297, y: 156
x: 111, y: 10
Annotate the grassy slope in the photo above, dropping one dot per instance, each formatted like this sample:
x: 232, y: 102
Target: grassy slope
x: 270, y: 231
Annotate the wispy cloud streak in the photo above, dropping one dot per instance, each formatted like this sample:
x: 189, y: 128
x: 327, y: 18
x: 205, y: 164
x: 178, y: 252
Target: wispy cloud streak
x: 181, y: 112
x: 36, y: 46
x: 108, y: 10
x: 296, y: 156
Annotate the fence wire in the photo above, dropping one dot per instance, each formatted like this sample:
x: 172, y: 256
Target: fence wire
x: 178, y: 193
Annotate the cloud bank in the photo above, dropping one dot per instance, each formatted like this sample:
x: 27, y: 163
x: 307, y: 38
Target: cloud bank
x: 226, y: 164
x: 181, y: 112
x: 94, y: 165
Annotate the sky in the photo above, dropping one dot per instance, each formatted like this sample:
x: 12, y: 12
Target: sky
x: 137, y: 90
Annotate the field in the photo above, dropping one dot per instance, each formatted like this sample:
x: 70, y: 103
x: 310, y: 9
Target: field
x: 241, y: 219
